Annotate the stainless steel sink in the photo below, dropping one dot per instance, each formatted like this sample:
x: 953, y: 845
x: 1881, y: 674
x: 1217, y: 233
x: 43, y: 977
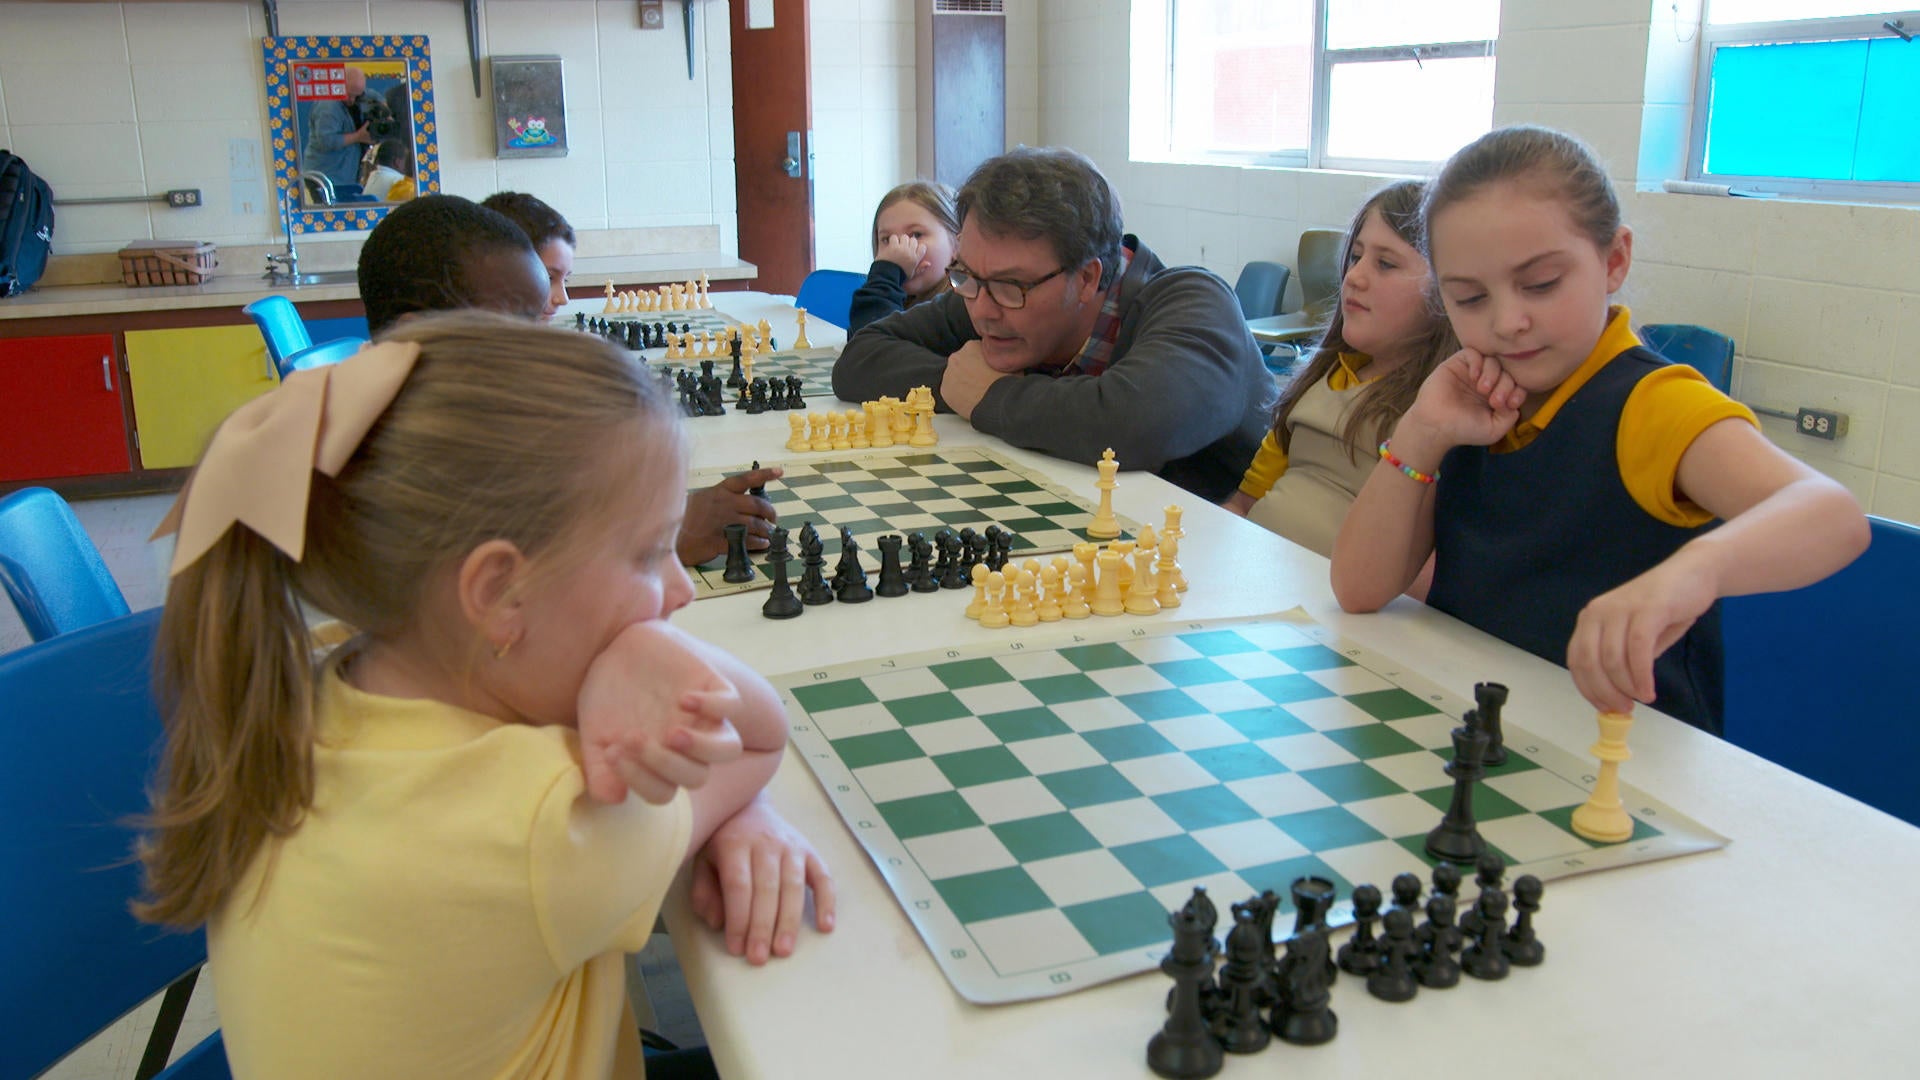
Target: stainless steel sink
x: 328, y: 277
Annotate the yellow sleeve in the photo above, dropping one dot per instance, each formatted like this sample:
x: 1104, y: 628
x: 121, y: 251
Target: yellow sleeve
x: 599, y: 873
x: 1269, y: 465
x: 1664, y: 414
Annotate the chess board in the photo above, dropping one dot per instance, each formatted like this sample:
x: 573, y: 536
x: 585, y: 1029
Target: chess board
x: 905, y: 490
x: 1038, y: 805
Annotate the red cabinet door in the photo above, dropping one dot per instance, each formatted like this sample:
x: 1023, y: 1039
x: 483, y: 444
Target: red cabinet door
x: 60, y: 408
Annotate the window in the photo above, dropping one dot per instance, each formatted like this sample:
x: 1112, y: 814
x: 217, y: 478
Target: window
x: 1320, y: 83
x: 1819, y: 106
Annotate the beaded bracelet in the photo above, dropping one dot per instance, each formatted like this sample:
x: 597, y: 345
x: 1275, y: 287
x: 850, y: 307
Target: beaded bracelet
x: 1412, y: 473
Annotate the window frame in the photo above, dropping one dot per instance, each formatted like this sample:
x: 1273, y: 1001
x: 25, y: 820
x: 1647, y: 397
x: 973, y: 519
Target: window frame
x: 1837, y: 28
x: 1314, y: 156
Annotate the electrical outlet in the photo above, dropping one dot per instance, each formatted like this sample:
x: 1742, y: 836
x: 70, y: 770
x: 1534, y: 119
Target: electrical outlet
x: 183, y: 197
x: 1821, y: 424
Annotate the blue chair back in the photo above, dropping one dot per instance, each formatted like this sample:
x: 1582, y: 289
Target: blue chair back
x: 50, y: 568
x: 1817, y: 678
x: 327, y: 352
x: 1707, y: 351
x: 828, y: 295
x: 1260, y: 286
x: 280, y: 324
x: 78, y: 745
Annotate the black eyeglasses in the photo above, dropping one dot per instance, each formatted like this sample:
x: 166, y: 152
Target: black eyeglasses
x: 1006, y: 292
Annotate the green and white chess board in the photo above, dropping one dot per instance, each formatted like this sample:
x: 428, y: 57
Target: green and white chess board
x: 1040, y: 803
x: 906, y: 490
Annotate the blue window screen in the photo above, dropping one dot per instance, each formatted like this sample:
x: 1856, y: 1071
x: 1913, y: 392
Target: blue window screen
x: 1889, y: 126
x: 1818, y: 110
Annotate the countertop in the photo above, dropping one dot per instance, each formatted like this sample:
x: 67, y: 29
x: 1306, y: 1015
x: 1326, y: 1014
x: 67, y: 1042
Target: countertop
x: 234, y: 290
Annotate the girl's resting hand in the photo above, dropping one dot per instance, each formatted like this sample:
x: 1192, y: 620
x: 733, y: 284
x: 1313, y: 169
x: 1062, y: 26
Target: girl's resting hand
x: 751, y: 880
x: 1469, y: 400
x: 653, y: 717
x: 902, y: 251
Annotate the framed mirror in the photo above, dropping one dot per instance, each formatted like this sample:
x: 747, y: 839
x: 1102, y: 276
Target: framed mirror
x: 353, y: 127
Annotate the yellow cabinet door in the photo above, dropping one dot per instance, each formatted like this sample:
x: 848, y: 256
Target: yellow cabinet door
x: 186, y: 381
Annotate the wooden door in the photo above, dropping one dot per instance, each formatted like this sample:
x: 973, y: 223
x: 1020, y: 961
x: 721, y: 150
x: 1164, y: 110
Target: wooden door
x: 186, y: 381
x: 772, y: 107
x: 60, y: 409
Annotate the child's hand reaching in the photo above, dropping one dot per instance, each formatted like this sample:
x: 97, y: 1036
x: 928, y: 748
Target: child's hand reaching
x: 1621, y: 632
x: 902, y: 251
x: 1469, y: 400
x: 653, y: 717
x: 751, y: 879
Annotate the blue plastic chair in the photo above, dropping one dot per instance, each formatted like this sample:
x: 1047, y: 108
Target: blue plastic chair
x: 828, y: 295
x: 327, y: 352
x: 280, y: 324
x: 1707, y: 351
x: 76, y: 750
x: 1819, y: 679
x: 1259, y: 288
x: 50, y: 568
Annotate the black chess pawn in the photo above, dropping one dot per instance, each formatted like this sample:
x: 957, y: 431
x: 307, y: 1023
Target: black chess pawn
x: 973, y: 550
x: 1235, y: 1017
x: 952, y: 570
x: 920, y: 574
x: 1446, y: 881
x: 1184, y: 1047
x: 1406, y: 892
x: 739, y: 568
x: 781, y: 603
x: 1522, y: 945
x: 1393, y: 979
x: 1457, y: 837
x: 1303, y: 1016
x: 893, y: 579
x: 754, y: 397
x: 1436, y: 941
x: 990, y: 537
x: 1361, y: 954
x: 1312, y: 898
x: 1488, y: 873
x: 1486, y: 958
x: 794, y: 400
x: 1488, y: 699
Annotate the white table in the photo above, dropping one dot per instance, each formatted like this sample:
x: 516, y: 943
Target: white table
x: 1790, y: 952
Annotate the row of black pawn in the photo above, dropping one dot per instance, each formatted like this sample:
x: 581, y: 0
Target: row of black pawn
x: 958, y: 554
x: 632, y: 333
x: 1208, y: 1018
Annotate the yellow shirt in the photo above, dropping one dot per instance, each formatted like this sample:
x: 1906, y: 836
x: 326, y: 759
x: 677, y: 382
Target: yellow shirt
x: 1270, y: 461
x: 1666, y: 411
x: 452, y: 905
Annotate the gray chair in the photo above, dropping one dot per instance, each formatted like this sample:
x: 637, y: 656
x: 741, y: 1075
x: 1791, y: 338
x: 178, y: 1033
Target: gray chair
x: 1260, y: 286
x: 1320, y: 268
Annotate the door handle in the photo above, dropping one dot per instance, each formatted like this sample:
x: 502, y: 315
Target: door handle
x: 106, y: 372
x: 792, y: 164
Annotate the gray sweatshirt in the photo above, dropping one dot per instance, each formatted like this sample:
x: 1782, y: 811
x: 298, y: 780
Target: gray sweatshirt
x: 1185, y: 394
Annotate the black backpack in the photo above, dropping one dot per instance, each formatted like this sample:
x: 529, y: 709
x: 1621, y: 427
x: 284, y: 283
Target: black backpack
x: 26, y: 225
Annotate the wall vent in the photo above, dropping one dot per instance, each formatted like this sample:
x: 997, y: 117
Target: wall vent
x: 968, y: 7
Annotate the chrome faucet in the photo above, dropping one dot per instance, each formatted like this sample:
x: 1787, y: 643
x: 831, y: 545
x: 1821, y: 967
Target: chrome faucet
x: 287, y: 265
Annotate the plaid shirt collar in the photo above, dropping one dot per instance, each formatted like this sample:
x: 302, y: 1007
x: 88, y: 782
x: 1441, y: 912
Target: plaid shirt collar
x: 1097, y: 353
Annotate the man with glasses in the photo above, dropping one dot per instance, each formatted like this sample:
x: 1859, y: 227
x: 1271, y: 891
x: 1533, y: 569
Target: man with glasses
x: 1065, y: 336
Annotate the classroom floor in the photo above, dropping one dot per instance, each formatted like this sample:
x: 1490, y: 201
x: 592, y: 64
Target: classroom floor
x: 119, y: 528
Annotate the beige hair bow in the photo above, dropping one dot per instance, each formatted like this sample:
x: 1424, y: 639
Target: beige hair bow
x: 259, y: 467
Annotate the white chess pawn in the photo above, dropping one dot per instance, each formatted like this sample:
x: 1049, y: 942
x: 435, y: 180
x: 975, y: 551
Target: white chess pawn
x: 979, y: 591
x: 994, y: 615
x: 1050, y: 609
x: 839, y: 421
x: 820, y: 435
x: 857, y: 430
x: 1074, y: 604
x: 797, y: 436
x: 1024, y: 611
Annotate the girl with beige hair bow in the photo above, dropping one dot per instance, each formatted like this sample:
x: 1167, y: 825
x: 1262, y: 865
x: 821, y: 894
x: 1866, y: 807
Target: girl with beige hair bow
x: 421, y: 859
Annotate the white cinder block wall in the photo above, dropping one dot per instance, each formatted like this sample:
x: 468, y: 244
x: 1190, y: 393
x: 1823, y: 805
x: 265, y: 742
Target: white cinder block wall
x: 124, y: 99
x: 1823, y: 299
x: 864, y: 111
